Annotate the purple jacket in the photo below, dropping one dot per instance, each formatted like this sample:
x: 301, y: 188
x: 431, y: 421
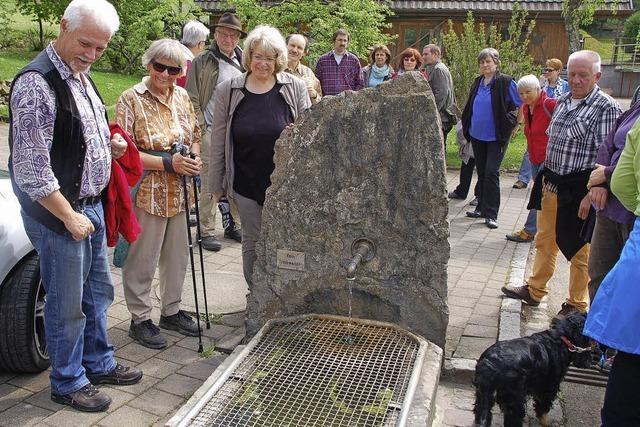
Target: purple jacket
x: 608, y: 155
x: 336, y: 78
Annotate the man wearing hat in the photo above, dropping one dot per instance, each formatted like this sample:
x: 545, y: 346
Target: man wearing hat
x: 222, y: 61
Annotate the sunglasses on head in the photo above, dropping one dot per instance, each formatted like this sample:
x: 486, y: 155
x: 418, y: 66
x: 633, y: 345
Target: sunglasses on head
x: 159, y: 67
x: 547, y: 70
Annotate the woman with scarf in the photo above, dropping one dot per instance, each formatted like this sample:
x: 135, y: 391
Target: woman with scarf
x: 378, y: 70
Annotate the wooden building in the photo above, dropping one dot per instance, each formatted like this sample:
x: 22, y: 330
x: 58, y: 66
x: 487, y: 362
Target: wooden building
x: 419, y: 22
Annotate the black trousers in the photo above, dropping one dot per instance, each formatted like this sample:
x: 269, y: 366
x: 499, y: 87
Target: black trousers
x: 488, y: 157
x: 466, y: 174
x: 622, y: 398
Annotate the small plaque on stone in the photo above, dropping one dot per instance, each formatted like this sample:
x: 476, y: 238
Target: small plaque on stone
x: 290, y: 260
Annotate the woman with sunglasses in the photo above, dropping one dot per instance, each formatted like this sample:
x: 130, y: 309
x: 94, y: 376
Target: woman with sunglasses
x: 158, y: 114
x: 410, y: 60
x: 250, y: 112
x: 552, y: 83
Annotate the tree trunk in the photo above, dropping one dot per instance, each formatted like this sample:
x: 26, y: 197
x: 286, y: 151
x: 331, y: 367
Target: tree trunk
x: 572, y: 26
x: 41, y: 33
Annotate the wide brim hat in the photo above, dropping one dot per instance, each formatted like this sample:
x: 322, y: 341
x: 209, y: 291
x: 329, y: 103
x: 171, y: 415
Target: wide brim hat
x: 230, y: 20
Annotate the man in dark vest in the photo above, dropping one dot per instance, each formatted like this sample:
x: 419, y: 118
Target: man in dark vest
x: 60, y: 164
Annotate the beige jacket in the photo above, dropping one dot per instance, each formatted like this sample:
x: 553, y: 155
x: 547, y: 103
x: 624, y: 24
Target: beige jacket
x: 227, y: 97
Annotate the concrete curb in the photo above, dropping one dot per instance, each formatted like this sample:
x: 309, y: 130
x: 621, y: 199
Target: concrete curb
x: 460, y: 370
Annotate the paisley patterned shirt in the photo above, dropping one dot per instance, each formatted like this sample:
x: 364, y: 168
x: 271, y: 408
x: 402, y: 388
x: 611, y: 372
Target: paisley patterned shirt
x: 33, y: 107
x: 155, y: 125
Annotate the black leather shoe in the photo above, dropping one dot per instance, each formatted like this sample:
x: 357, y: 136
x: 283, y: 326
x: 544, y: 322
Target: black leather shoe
x: 120, y: 375
x: 454, y: 195
x: 233, y: 234
x: 180, y: 322
x: 474, y: 214
x: 147, y: 334
x: 210, y: 243
x: 87, y: 399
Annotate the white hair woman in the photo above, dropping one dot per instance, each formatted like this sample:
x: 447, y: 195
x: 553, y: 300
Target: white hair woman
x: 537, y: 110
x: 251, y: 110
x: 488, y: 120
x: 157, y: 114
x: 194, y: 39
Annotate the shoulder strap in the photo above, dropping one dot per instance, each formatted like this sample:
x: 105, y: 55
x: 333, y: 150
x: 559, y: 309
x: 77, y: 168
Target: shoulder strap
x: 546, y: 110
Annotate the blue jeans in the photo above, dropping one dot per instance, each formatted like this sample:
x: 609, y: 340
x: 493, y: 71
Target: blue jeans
x: 526, y: 171
x: 530, y: 226
x: 77, y: 279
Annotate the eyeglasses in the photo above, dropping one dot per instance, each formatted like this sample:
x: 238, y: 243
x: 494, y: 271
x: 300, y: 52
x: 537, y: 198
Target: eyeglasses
x: 232, y: 36
x: 409, y: 58
x: 548, y: 70
x: 159, y: 67
x: 260, y: 58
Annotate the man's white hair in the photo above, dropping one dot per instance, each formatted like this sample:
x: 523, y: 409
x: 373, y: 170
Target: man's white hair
x: 589, y: 55
x: 193, y: 33
x: 529, y: 82
x: 100, y: 11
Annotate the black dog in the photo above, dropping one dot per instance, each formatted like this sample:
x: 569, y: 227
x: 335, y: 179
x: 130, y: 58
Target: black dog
x: 509, y: 371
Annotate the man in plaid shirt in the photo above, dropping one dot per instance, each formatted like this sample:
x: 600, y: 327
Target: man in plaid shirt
x: 339, y: 70
x: 581, y: 121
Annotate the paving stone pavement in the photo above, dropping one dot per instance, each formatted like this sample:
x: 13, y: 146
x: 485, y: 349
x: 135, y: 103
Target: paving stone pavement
x: 479, y: 266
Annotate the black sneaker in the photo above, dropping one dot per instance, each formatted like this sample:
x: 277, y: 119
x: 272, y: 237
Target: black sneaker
x: 474, y: 214
x: 233, y: 234
x: 180, y: 322
x: 87, y: 399
x: 147, y: 334
x: 120, y: 375
x: 210, y: 243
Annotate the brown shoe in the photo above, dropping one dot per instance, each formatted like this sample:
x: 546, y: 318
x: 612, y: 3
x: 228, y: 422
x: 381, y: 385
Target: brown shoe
x: 520, y: 237
x: 120, y: 375
x: 87, y: 399
x: 566, y: 310
x: 520, y: 292
x: 520, y: 185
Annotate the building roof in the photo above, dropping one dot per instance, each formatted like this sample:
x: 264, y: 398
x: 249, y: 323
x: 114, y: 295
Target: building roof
x: 449, y: 5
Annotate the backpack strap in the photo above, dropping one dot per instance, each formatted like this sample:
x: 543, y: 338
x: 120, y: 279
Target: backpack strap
x: 546, y: 110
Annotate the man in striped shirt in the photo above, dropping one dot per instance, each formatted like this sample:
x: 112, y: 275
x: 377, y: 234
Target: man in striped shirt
x: 581, y: 121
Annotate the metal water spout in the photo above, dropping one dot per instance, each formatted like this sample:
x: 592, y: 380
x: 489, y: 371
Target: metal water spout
x: 362, y: 250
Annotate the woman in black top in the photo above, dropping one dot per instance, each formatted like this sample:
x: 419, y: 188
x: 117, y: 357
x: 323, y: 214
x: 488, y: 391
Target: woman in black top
x: 251, y: 111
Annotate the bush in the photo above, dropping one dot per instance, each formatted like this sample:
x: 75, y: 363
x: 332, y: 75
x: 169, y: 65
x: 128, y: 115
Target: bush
x: 461, y: 50
x: 632, y: 26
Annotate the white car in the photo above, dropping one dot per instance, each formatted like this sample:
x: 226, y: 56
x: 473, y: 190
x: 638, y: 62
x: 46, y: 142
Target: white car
x: 22, y: 296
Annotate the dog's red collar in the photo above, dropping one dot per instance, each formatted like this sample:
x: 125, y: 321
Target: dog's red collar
x: 572, y: 347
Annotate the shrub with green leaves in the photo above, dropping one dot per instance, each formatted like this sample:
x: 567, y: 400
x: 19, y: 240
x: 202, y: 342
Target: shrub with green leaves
x: 461, y: 50
x: 318, y: 20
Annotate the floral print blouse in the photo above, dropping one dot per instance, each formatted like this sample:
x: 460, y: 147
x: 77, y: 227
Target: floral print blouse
x: 155, y: 125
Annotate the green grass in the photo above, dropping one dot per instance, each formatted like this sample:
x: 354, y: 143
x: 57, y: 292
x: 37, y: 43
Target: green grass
x: 512, y: 158
x: 603, y: 46
x: 111, y: 85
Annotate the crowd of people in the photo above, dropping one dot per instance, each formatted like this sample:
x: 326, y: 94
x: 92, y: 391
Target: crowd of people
x: 217, y: 112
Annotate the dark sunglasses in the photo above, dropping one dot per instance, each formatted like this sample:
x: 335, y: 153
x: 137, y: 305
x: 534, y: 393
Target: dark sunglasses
x: 547, y: 70
x: 174, y: 71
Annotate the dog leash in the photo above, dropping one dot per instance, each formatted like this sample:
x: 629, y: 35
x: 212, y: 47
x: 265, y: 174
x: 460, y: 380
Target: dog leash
x: 572, y: 347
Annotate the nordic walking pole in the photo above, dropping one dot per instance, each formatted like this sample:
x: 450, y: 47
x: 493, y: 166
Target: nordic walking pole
x: 190, y: 242
x: 199, y: 238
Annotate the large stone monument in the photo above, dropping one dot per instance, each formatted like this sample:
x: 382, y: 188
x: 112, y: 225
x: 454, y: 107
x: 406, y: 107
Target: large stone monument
x: 366, y: 164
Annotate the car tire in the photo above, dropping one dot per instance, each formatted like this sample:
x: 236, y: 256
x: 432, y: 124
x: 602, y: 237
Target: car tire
x: 22, y: 298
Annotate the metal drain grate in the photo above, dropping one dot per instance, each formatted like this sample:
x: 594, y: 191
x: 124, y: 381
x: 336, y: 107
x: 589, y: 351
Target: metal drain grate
x: 316, y: 371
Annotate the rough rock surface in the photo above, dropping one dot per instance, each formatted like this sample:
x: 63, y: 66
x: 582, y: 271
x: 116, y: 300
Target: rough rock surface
x: 360, y: 164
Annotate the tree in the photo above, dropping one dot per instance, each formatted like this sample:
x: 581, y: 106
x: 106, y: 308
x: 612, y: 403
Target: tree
x: 319, y: 19
x: 581, y: 12
x: 42, y: 11
x: 142, y: 22
x: 461, y: 50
